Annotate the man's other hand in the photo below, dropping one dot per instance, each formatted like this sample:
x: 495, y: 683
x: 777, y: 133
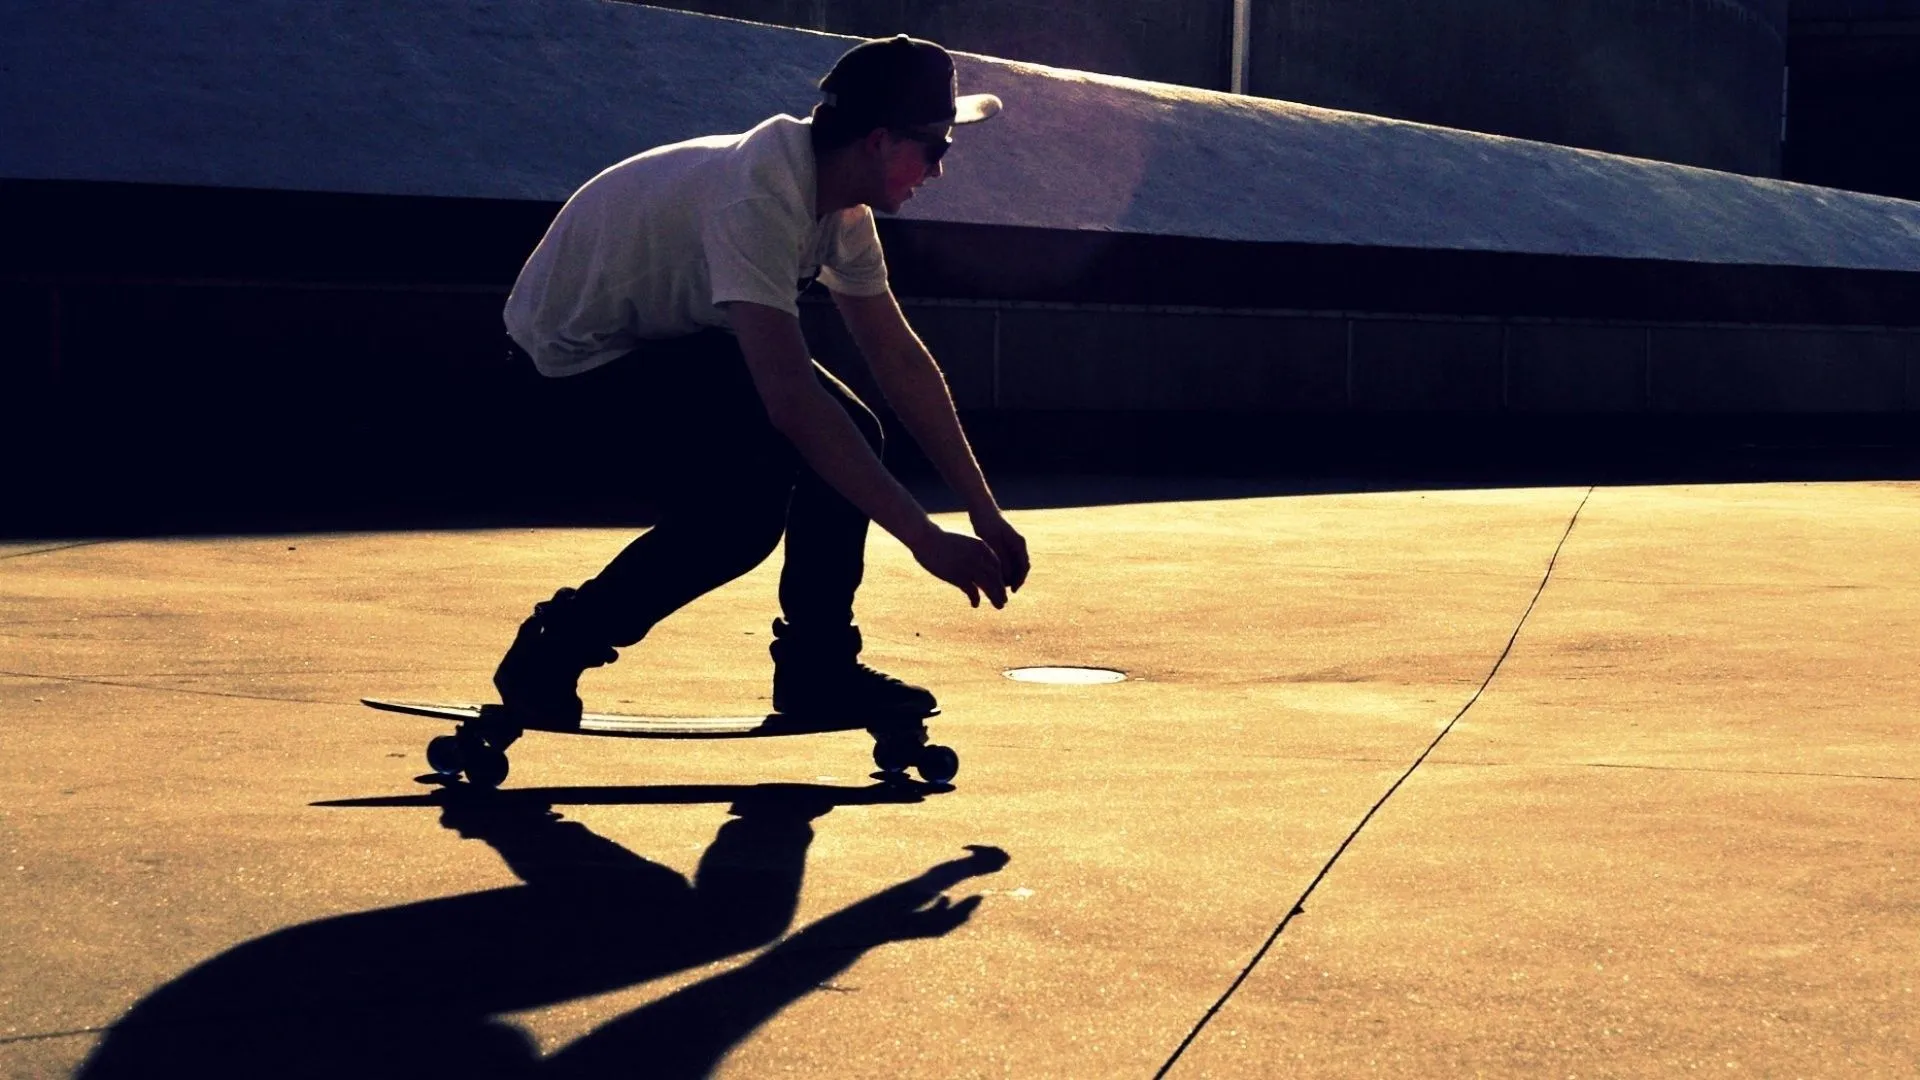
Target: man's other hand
x: 1007, y: 544
x: 966, y: 563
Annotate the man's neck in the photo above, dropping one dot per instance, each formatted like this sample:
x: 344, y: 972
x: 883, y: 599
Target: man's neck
x: 833, y: 187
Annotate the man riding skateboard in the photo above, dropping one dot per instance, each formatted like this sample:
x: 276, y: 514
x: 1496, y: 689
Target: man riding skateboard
x: 662, y: 305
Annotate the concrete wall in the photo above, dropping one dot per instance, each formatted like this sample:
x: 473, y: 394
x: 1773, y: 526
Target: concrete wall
x: 154, y: 405
x: 526, y: 99
x: 1695, y: 82
x: 301, y: 350
x: 1116, y: 358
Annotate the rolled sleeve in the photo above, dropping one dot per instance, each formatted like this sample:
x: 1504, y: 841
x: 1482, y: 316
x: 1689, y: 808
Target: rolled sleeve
x: 856, y: 266
x: 749, y: 248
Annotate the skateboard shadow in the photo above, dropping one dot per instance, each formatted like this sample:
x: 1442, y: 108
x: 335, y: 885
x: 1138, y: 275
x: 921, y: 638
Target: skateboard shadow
x: 420, y: 989
x: 661, y: 795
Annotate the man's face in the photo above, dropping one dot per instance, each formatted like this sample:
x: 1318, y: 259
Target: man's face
x: 907, y: 159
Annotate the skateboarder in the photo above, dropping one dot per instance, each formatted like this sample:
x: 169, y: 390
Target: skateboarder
x: 661, y: 303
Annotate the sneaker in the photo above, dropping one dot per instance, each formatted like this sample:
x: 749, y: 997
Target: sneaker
x: 819, y: 671
x: 539, y: 678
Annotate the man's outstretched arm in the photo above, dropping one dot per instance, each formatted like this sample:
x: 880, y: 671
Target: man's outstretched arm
x: 800, y: 409
x: 919, y: 396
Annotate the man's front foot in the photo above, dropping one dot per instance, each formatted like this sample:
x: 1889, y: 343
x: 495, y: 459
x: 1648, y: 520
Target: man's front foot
x: 818, y: 671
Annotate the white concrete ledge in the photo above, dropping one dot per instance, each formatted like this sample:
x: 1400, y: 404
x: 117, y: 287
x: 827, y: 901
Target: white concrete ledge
x: 526, y: 99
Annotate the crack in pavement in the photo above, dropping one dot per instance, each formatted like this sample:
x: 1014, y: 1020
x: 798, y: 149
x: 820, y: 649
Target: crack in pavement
x: 1808, y: 773
x: 75, y: 1033
x: 1739, y: 772
x: 1300, y: 905
x: 166, y: 689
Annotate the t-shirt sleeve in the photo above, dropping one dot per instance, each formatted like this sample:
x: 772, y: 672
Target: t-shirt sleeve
x: 856, y: 266
x: 751, y: 249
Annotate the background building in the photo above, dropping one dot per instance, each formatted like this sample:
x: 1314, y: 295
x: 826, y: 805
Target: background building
x: 1853, y: 117
x: 1697, y: 82
x: 255, y: 255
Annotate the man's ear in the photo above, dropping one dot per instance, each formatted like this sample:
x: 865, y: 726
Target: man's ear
x: 875, y: 141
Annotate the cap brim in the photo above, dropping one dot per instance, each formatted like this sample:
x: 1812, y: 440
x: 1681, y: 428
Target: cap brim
x: 973, y: 108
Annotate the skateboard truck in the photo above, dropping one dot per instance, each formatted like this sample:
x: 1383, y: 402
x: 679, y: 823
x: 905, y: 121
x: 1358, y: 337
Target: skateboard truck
x: 477, y: 747
x: 902, y: 746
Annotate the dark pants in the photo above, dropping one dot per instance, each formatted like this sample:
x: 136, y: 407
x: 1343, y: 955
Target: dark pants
x: 727, y: 485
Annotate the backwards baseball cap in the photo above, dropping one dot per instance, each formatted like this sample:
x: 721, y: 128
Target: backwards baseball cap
x: 901, y: 82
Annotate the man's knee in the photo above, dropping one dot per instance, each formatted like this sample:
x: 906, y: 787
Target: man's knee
x: 744, y: 534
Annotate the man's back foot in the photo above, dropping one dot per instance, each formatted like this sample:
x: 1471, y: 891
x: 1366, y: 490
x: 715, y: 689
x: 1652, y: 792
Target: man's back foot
x: 539, y: 678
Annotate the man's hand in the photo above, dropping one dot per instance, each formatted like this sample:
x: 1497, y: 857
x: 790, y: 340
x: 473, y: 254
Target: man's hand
x: 1007, y: 544
x: 967, y: 564
x: 918, y: 393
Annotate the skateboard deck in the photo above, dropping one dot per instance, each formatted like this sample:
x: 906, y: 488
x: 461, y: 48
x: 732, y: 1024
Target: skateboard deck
x: 477, y: 748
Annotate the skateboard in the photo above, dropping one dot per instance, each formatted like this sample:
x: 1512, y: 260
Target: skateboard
x: 477, y: 748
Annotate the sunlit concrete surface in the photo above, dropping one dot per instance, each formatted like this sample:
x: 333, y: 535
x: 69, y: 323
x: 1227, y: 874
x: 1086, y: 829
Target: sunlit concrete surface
x: 1677, y: 830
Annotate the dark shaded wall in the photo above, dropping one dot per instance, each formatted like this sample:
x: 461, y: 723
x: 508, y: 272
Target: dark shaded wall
x: 1695, y: 82
x: 1853, y: 115
x: 202, y: 358
x: 207, y: 358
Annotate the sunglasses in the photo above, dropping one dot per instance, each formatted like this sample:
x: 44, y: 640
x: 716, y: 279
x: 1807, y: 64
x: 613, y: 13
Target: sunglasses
x: 935, y: 146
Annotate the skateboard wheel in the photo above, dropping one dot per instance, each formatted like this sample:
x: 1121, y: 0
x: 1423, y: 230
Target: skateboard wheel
x: 443, y: 755
x: 486, y: 767
x: 893, y: 756
x: 938, y: 764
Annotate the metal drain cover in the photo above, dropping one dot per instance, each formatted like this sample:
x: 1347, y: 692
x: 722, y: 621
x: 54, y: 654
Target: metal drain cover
x: 1066, y: 676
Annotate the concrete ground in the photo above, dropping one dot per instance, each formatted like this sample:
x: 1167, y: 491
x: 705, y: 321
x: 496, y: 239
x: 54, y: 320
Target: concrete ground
x: 1670, y: 826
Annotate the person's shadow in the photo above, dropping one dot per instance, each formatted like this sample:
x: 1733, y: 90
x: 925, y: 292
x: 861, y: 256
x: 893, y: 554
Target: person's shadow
x: 418, y: 990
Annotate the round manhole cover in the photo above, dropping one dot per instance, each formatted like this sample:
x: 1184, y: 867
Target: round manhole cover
x: 1066, y: 676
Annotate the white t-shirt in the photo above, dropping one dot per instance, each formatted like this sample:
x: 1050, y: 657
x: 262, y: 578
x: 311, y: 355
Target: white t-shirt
x: 652, y: 247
